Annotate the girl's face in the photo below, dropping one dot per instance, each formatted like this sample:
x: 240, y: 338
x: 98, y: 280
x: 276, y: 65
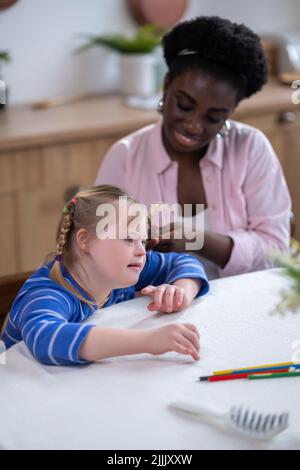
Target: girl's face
x: 119, y: 261
x: 196, y: 106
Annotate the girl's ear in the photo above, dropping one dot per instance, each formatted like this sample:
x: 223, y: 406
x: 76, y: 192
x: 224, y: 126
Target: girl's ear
x: 82, y: 239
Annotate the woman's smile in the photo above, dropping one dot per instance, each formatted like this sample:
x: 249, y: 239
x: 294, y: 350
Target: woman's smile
x: 186, y: 140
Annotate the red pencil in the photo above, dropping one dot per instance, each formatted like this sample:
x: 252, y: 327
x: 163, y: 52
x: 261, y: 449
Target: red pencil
x: 245, y: 375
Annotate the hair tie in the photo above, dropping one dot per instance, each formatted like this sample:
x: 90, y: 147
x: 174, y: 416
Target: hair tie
x: 188, y: 52
x: 58, y: 258
x: 73, y: 202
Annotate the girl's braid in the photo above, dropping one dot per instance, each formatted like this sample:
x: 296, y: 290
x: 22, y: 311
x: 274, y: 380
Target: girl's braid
x: 67, y: 222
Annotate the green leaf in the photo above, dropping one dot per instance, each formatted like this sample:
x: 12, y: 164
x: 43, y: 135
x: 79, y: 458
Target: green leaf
x: 146, y: 39
x: 290, y: 298
x: 4, y: 56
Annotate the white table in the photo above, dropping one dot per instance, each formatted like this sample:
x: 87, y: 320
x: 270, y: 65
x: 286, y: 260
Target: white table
x: 122, y: 403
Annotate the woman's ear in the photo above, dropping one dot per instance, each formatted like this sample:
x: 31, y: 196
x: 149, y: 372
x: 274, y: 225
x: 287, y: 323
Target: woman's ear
x: 82, y: 239
x: 166, y: 84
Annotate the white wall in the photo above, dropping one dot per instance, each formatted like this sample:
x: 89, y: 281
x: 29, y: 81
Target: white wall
x: 260, y: 15
x: 42, y: 34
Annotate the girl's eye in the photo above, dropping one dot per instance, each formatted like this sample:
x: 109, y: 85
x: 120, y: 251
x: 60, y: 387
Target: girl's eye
x: 131, y: 240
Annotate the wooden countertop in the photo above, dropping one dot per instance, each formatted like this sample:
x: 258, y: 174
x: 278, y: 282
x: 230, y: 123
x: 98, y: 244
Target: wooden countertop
x: 22, y: 127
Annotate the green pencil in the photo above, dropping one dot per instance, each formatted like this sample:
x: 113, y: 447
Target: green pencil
x: 273, y: 376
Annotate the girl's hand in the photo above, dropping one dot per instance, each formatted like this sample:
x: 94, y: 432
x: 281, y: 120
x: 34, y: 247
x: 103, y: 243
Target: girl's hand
x: 182, y: 338
x: 166, y: 298
x: 172, y: 297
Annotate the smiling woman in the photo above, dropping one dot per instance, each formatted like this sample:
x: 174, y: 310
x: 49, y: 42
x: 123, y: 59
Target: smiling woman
x: 196, y: 155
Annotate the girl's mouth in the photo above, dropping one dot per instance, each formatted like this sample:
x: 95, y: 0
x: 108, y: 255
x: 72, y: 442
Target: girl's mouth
x: 136, y: 267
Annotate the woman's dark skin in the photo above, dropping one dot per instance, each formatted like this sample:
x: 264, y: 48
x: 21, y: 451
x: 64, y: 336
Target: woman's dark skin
x: 196, y: 106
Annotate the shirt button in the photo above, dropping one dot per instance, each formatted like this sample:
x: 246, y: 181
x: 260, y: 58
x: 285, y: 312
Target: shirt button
x: 208, y: 179
x: 214, y: 207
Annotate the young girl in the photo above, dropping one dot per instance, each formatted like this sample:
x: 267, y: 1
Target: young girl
x: 91, y: 272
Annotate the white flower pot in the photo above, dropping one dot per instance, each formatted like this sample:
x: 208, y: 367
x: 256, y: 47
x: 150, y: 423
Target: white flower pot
x: 139, y: 74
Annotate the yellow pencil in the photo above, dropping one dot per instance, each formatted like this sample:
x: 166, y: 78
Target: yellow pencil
x: 265, y: 366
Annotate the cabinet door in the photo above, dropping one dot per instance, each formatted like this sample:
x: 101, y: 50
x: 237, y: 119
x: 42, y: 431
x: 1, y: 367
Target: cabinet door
x: 8, y: 234
x: 39, y: 213
x: 8, y: 219
x: 283, y: 130
x: 44, y: 177
x: 291, y: 152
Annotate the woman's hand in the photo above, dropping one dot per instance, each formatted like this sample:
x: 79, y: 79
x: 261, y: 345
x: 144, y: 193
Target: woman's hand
x: 171, y: 245
x: 170, y: 238
x: 182, y: 338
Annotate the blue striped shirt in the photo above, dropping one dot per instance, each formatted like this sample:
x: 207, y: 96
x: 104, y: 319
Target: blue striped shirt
x: 49, y: 317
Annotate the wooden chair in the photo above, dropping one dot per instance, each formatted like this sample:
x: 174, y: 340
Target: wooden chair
x: 9, y: 287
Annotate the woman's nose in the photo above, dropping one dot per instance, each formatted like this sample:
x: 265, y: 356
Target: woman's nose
x: 194, y: 126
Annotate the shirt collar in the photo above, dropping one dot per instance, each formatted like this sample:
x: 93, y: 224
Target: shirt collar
x: 214, y: 152
x: 162, y: 161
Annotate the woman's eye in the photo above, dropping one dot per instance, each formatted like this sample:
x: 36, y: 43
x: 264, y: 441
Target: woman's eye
x: 183, y: 107
x: 215, y: 121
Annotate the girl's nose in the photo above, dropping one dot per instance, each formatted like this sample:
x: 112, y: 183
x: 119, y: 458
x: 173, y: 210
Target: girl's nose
x: 139, y: 247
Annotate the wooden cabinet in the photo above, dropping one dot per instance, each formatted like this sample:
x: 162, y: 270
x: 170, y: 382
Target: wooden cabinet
x: 282, y: 127
x: 44, y: 154
x: 32, y: 188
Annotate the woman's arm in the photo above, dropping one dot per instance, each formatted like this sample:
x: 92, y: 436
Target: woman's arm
x: 216, y: 248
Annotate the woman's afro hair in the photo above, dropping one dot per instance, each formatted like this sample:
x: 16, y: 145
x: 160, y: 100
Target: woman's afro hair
x: 218, y: 40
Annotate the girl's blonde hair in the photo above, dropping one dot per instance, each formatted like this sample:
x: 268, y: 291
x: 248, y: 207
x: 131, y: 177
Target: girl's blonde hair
x: 80, y: 212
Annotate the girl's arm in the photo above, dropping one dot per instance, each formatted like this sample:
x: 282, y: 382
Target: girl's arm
x: 173, y: 280
x: 101, y: 343
x: 168, y: 268
x: 42, y: 319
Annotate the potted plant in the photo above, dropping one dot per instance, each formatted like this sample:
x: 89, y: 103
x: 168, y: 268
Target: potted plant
x: 290, y: 298
x: 138, y: 62
x: 4, y: 58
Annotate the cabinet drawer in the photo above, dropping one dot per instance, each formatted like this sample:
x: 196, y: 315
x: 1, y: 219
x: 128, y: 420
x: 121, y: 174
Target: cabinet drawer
x: 281, y: 120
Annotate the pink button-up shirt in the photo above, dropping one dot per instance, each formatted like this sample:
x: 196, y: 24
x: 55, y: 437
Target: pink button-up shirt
x: 244, y: 185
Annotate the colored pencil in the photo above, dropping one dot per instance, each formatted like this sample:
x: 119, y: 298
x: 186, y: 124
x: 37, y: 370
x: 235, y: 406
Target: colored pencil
x: 273, y: 376
x: 257, y: 368
x: 218, y: 378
